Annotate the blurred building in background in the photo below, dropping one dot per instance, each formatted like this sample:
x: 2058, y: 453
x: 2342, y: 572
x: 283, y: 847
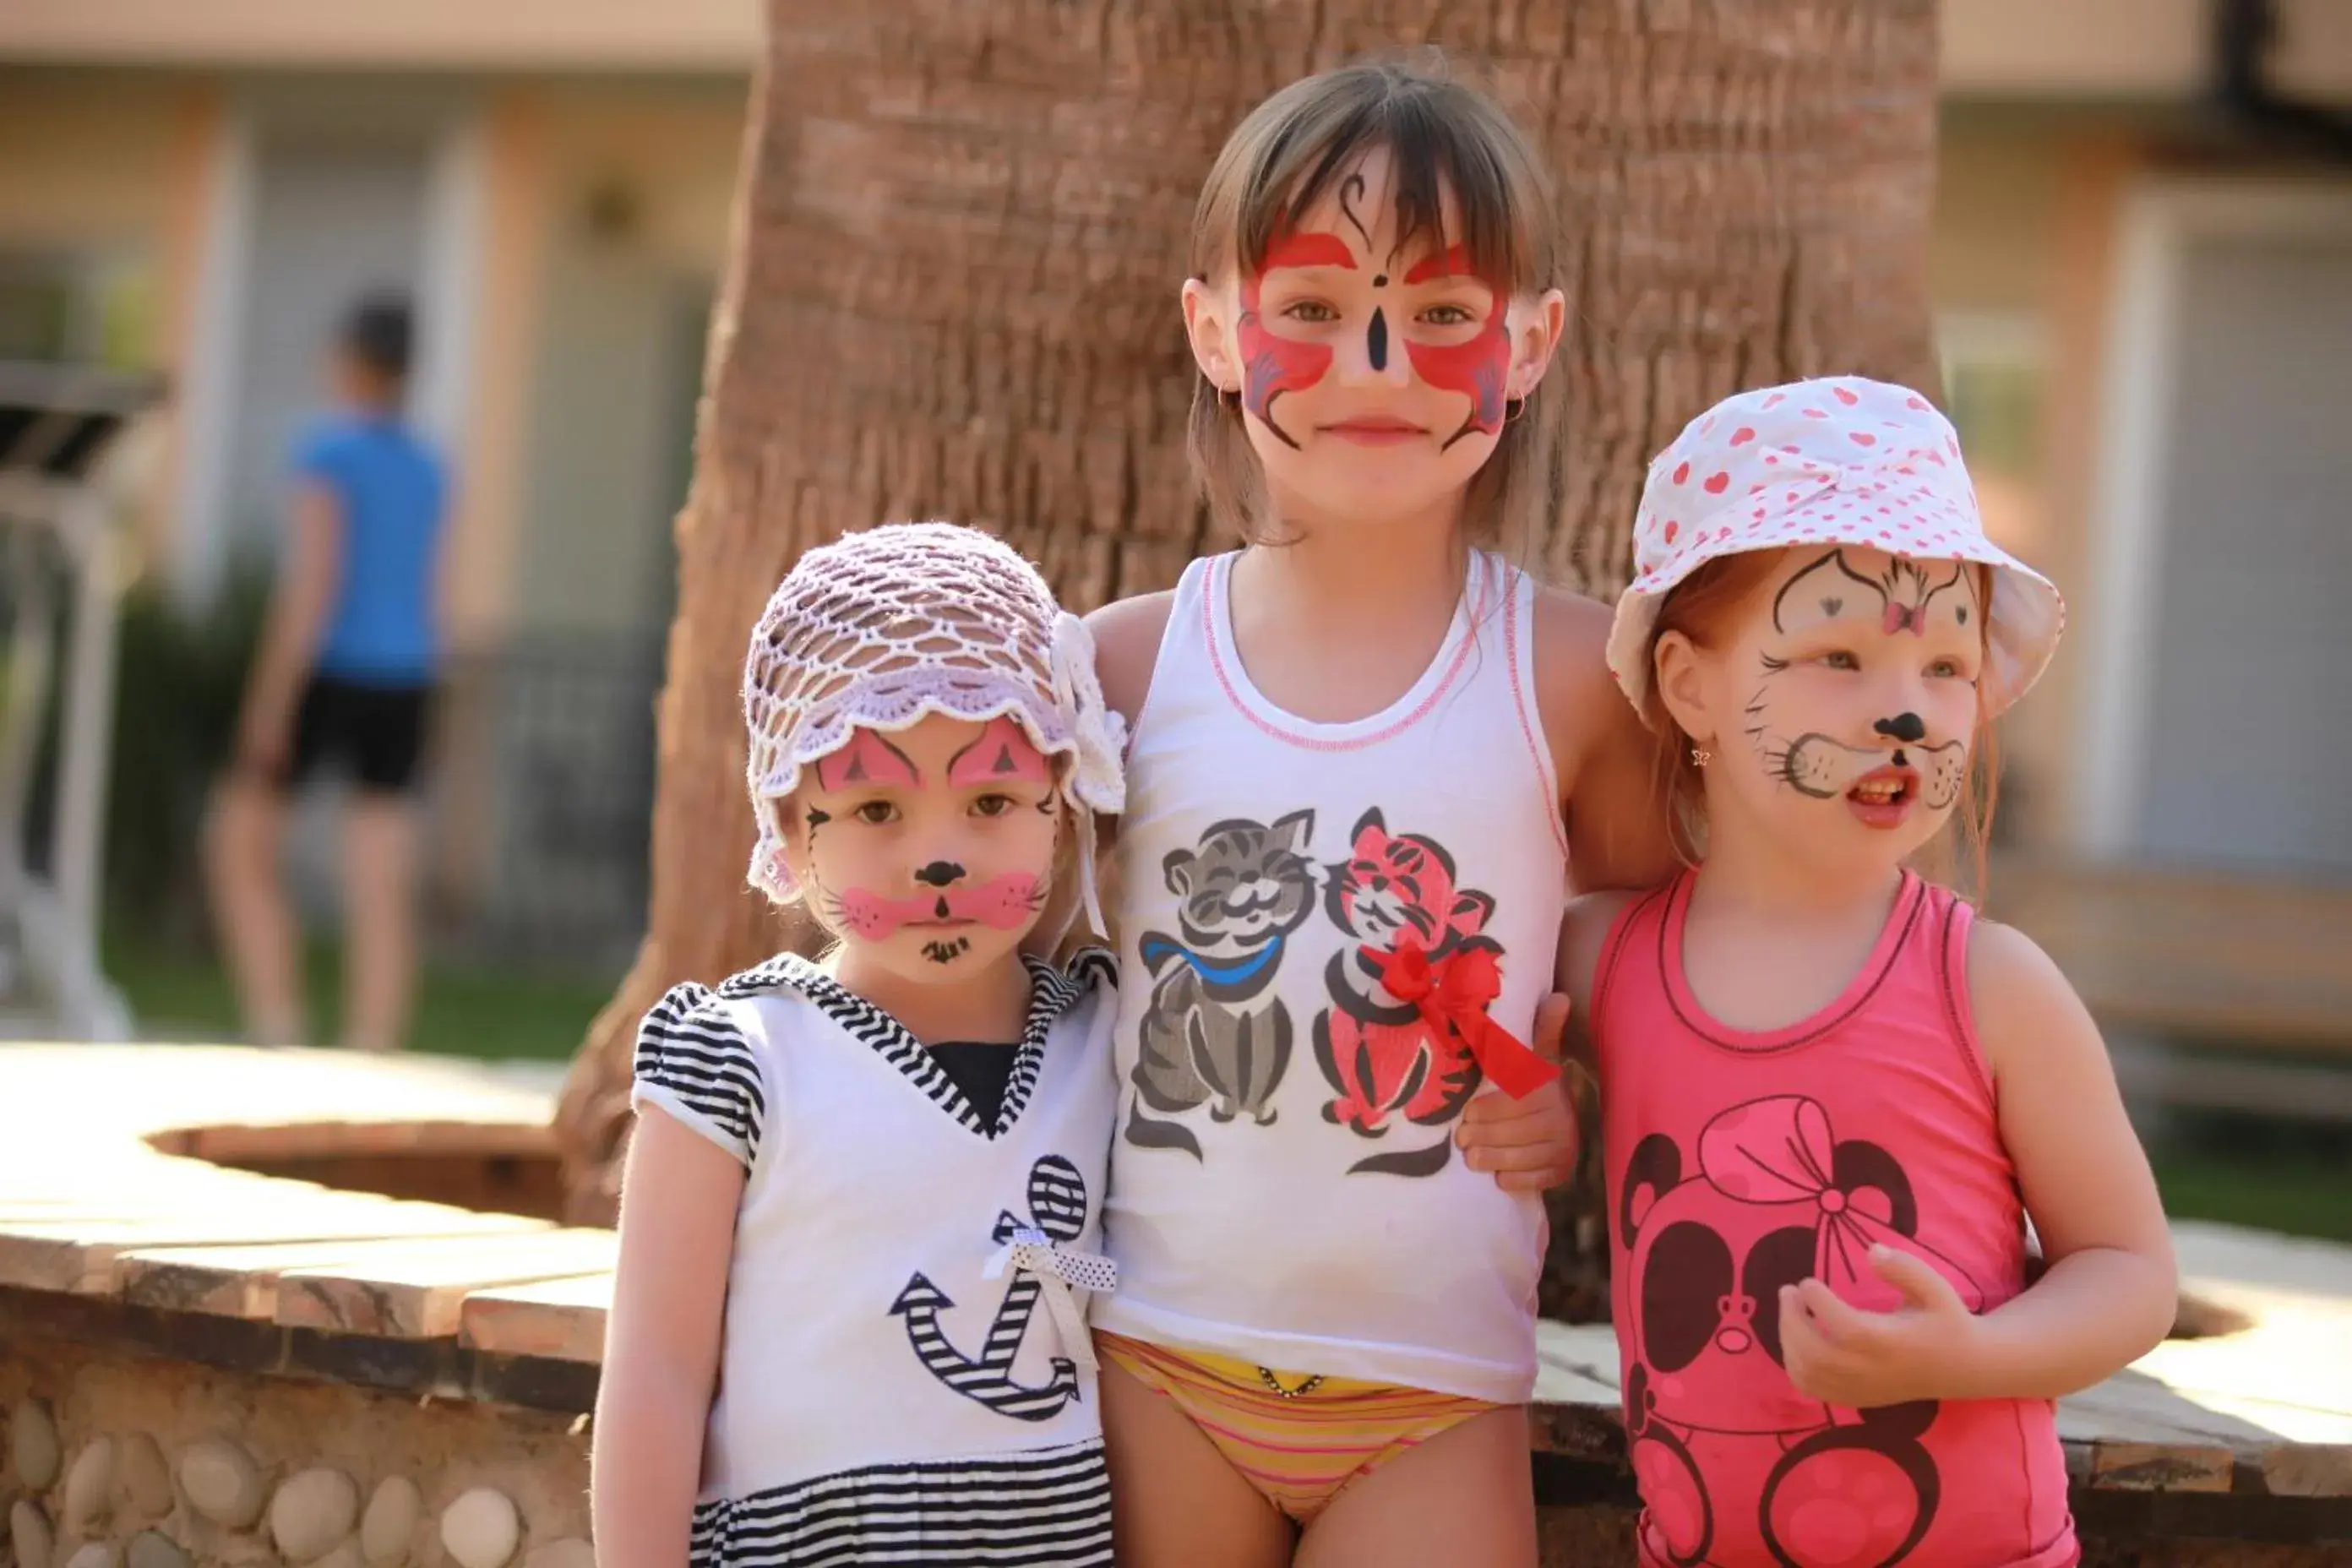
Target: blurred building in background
x: 202, y: 188
x: 2143, y: 276
x: 2143, y: 281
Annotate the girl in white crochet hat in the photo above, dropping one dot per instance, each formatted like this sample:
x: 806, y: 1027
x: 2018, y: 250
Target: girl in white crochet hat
x: 1831, y: 1095
x: 862, y: 1204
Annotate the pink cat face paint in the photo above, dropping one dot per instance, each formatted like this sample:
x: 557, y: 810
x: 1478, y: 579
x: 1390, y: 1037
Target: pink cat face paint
x: 1001, y: 903
x: 868, y: 759
x: 1002, y: 754
x: 929, y: 849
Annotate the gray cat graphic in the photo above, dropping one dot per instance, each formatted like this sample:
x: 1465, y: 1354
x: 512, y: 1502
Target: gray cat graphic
x: 1212, y: 1035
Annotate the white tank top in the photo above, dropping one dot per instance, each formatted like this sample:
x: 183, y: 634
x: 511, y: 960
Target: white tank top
x: 1284, y: 1187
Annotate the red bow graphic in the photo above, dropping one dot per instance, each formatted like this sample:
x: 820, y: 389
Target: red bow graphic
x: 1454, y: 994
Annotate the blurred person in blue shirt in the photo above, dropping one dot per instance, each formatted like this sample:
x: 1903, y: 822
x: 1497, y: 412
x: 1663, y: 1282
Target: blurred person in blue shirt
x: 343, y: 679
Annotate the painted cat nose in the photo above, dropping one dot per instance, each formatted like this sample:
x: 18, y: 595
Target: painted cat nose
x: 1902, y: 727
x: 939, y: 874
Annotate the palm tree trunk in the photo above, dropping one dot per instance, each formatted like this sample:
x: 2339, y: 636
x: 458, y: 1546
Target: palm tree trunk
x: 957, y: 250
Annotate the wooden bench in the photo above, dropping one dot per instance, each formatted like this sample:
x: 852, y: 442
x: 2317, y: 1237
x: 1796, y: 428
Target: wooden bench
x: 2233, y: 960
x: 2244, y: 1434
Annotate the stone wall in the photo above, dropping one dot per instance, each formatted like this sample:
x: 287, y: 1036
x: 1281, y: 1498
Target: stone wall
x: 116, y: 1459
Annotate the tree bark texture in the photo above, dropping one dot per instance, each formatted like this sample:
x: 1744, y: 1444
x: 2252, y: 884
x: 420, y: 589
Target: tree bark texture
x: 959, y: 240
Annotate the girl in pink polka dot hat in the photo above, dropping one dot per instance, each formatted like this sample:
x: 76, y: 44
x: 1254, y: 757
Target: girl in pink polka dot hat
x: 1838, y: 461
x: 1828, y: 1092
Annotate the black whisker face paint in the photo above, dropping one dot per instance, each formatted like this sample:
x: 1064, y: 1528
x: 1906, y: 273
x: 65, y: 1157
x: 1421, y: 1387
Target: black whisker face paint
x: 1946, y: 771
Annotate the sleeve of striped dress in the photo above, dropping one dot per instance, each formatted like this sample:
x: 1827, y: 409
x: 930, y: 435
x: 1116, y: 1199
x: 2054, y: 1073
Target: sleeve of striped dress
x: 693, y: 1061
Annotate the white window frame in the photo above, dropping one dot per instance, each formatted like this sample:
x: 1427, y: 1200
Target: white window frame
x: 2158, y: 220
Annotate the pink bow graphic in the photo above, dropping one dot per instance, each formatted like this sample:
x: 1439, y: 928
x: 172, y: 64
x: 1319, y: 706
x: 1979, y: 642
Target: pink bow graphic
x: 1780, y: 1151
x: 1899, y: 617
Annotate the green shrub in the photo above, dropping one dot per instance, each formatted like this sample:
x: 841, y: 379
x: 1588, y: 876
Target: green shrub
x: 180, y: 682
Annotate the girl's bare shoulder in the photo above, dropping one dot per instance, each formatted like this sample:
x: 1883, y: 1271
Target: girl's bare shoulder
x: 1127, y: 645
x: 1572, y: 679
x: 1583, y: 934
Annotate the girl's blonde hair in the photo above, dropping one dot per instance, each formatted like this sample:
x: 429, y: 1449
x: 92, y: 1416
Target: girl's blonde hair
x: 1699, y: 606
x: 1441, y: 136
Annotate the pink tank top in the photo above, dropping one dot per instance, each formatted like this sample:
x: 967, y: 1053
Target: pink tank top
x: 1738, y: 1162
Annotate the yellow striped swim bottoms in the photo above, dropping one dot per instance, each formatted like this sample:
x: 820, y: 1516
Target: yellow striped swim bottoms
x: 1297, y: 1438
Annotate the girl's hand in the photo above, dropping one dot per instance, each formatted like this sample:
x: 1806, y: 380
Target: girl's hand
x: 1530, y: 1144
x: 1844, y: 1356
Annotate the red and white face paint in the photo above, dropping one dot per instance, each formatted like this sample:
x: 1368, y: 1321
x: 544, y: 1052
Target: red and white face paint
x: 1479, y: 367
x: 1376, y: 367
x: 931, y: 847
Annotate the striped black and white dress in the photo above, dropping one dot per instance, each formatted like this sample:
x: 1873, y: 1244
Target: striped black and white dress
x: 883, y: 1394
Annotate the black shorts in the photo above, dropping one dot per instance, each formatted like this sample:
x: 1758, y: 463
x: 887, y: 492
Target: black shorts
x: 377, y: 732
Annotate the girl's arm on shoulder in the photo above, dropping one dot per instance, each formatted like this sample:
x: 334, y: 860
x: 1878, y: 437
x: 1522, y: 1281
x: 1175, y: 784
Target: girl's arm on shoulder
x: 2111, y: 1289
x: 679, y: 1199
x: 1584, y: 937
x: 1127, y: 645
x: 1604, y: 756
x: 1127, y: 634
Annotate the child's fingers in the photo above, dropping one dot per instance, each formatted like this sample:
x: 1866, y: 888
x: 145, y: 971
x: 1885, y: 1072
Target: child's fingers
x: 1551, y: 1026
x: 1546, y: 1155
x: 1800, y: 1346
x: 1496, y: 1106
x: 1922, y: 1287
x: 1517, y: 1130
x: 1836, y: 1322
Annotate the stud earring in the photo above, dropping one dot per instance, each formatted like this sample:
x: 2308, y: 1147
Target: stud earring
x: 1700, y: 756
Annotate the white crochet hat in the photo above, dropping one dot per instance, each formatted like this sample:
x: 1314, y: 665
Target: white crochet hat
x: 1840, y: 461
x: 884, y: 627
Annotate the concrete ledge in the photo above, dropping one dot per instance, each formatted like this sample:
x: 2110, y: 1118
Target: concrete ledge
x: 115, y: 1238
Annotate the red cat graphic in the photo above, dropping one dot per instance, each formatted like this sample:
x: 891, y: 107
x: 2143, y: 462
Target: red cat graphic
x: 1382, y: 1056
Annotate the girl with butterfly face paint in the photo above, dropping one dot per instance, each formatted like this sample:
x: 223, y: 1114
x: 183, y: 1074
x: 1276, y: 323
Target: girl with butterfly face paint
x: 1830, y: 1093
x: 1368, y: 749
x: 862, y: 1216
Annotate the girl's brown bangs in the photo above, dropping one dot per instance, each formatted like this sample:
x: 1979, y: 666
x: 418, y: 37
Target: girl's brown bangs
x: 1429, y: 151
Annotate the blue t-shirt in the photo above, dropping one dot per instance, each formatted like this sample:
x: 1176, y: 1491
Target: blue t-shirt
x: 392, y: 492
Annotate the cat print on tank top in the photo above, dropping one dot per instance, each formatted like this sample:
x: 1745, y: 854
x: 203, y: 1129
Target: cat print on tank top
x: 1214, y: 1035
x: 1330, y: 931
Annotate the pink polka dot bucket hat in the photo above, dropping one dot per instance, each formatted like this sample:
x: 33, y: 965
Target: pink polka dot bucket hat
x: 1839, y: 460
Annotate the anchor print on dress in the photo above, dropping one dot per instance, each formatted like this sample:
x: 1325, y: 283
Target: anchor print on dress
x: 1212, y: 1033
x: 1383, y: 1055
x: 1057, y: 1214
x: 1726, y: 1448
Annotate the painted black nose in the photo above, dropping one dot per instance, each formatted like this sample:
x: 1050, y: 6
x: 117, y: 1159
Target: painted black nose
x: 939, y: 874
x: 1902, y: 727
